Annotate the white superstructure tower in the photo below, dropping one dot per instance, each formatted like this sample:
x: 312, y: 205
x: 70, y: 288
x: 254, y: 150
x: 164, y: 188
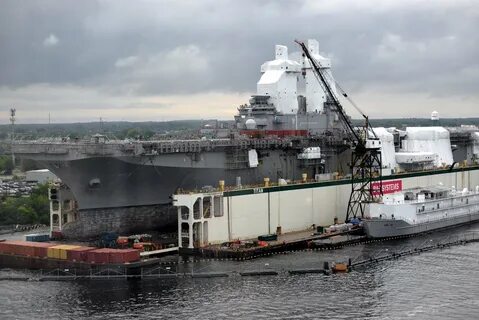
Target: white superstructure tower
x: 279, y: 81
x: 313, y: 91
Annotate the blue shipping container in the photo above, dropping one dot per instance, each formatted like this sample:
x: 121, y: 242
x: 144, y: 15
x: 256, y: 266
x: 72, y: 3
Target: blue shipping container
x: 37, y: 237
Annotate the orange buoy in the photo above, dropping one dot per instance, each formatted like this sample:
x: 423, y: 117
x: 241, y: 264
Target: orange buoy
x: 340, y: 267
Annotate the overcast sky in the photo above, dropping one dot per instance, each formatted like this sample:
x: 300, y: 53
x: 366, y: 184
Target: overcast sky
x: 163, y: 60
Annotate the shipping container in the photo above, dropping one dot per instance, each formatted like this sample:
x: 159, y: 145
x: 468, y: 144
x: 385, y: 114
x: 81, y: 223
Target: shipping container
x: 70, y: 252
x: 14, y: 247
x: 37, y: 237
x: 41, y: 249
x: 65, y: 249
x: 22, y: 248
x: 116, y: 256
x: 79, y: 254
x: 54, y: 252
x: 131, y: 255
x: 60, y: 251
x: 5, y: 247
x: 25, y: 248
x: 98, y: 256
x: 123, y: 255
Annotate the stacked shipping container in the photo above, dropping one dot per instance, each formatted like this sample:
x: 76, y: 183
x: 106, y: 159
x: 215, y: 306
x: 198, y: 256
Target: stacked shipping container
x: 23, y: 248
x: 69, y: 252
x: 60, y: 251
x: 79, y: 254
x: 113, y: 256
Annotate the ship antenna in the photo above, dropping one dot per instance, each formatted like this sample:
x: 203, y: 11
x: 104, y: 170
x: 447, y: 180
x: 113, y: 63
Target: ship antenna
x: 12, y: 121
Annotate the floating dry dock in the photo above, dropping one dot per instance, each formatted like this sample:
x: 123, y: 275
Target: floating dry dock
x: 287, y: 242
x: 206, y: 220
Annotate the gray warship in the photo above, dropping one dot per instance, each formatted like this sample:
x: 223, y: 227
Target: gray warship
x: 289, y: 130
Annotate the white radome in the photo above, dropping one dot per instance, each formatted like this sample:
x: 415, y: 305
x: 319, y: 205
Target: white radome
x: 250, y: 124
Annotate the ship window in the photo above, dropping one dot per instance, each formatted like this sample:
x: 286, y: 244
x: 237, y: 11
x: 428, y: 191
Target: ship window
x: 207, y: 207
x: 196, y: 209
x: 55, y: 219
x: 55, y: 206
x: 467, y: 201
x: 438, y: 205
x: 218, y: 206
x: 185, y: 212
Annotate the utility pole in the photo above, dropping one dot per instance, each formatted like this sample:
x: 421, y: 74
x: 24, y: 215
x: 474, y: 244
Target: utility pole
x: 12, y: 121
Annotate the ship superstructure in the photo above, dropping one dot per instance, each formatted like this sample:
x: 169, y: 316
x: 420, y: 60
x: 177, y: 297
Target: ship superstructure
x: 289, y: 98
x: 421, y: 209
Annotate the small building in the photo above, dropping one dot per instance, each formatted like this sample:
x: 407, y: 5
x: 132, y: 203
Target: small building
x: 40, y: 176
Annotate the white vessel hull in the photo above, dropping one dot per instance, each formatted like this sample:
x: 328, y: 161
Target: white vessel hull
x: 421, y: 209
x: 386, y: 228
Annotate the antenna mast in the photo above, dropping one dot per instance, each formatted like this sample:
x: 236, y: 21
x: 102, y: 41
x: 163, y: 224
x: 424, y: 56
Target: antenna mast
x: 12, y: 121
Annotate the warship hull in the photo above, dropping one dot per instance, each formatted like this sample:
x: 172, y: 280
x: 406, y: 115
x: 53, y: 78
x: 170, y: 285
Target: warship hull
x: 113, y: 182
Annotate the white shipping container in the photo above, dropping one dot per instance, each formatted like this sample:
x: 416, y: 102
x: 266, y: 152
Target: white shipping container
x: 40, y: 176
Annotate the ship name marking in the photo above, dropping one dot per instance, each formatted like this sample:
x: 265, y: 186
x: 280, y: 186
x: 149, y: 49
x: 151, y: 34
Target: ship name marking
x: 258, y: 190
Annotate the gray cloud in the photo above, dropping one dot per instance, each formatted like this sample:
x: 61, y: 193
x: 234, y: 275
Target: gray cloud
x: 145, y: 48
x: 50, y: 41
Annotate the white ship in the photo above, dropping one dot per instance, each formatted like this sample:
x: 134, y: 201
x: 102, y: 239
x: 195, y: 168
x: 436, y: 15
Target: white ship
x: 420, y: 210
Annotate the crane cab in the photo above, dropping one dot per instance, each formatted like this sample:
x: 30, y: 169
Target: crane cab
x: 373, y: 144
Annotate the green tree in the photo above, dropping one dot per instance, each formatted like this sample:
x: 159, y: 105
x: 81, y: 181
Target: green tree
x: 26, y: 215
x: 26, y: 210
x: 6, y: 164
x: 133, y: 133
x: 40, y: 203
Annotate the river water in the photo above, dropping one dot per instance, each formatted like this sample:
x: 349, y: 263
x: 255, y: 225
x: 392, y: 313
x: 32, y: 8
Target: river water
x: 440, y: 284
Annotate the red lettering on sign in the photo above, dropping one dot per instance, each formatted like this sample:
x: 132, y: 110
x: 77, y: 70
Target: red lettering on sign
x: 391, y: 186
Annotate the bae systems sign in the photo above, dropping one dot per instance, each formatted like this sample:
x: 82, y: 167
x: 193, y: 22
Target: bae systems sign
x: 390, y: 186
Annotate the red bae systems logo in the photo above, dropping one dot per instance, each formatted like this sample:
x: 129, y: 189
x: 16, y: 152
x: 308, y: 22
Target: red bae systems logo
x: 388, y: 187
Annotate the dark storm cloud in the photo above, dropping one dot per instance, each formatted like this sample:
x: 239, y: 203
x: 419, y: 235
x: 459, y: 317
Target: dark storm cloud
x: 182, y: 47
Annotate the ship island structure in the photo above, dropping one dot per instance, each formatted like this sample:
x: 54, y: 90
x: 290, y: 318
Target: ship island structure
x: 282, y: 167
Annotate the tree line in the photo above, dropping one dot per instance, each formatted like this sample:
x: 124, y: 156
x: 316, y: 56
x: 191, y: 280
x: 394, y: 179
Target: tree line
x: 26, y: 210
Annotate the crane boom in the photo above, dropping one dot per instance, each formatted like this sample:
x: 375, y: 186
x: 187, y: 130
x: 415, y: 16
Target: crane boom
x: 366, y: 160
x: 325, y: 84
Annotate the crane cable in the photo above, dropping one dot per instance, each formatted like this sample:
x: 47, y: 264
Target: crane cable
x: 344, y: 94
x: 330, y: 92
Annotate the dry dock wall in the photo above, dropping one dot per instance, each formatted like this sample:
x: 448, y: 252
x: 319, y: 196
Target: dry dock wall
x: 90, y: 223
x: 247, y: 213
